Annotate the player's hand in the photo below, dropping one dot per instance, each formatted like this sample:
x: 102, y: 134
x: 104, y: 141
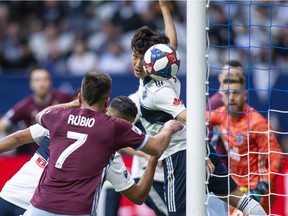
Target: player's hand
x: 173, y: 125
x: 261, y: 189
x: 210, y: 166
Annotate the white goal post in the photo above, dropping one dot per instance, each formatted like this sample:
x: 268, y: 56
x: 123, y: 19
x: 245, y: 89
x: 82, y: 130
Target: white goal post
x: 196, y: 107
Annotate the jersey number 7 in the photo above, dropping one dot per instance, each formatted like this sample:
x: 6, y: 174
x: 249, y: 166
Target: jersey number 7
x: 80, y: 140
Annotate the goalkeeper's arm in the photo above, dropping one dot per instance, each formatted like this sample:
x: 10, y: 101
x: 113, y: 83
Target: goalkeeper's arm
x: 246, y: 204
x: 250, y: 206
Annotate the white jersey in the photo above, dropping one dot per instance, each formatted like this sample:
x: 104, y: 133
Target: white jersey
x: 139, y: 163
x: 20, y: 188
x: 159, y: 102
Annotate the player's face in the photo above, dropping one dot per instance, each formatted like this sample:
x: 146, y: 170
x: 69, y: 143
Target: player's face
x: 40, y: 82
x: 137, y: 64
x: 235, y: 97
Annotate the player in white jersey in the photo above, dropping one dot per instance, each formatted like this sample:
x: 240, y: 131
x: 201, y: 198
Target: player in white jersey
x: 155, y: 199
x: 18, y: 191
x: 160, y: 102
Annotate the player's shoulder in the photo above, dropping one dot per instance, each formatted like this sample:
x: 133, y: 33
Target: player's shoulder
x: 221, y: 109
x: 60, y: 95
x: 28, y: 100
x: 256, y: 117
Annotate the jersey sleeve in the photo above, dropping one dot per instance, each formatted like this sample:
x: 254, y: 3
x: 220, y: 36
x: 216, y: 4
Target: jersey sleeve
x: 118, y: 175
x: 214, y: 102
x: 128, y: 135
x: 16, y: 113
x: 38, y: 133
x: 168, y: 101
x: 268, y: 143
x: 49, y: 117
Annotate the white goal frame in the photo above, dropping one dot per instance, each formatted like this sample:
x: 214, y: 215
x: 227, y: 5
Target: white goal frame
x: 196, y: 107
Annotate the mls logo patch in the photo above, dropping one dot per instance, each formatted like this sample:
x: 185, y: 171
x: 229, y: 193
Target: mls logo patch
x: 144, y: 95
x: 239, y: 139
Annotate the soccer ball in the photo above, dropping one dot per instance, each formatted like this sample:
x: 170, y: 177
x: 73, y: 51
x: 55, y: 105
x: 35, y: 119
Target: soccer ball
x: 161, y: 62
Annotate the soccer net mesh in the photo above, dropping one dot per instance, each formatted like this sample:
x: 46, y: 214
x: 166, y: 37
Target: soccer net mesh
x: 255, y: 33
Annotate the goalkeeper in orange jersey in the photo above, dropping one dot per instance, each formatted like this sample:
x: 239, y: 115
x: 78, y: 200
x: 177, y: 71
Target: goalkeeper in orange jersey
x: 255, y: 154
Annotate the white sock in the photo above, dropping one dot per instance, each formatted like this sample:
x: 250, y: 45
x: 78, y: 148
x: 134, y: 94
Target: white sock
x: 250, y: 206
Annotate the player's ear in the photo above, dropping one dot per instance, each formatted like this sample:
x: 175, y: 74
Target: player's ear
x: 106, y: 103
x: 245, y: 95
x: 79, y: 98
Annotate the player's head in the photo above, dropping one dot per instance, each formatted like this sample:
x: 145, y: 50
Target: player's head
x: 95, y: 89
x: 123, y: 107
x: 230, y: 67
x: 40, y: 81
x: 143, y: 39
x: 234, y: 96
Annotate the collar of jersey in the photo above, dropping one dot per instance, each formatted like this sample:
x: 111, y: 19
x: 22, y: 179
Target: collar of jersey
x: 146, y: 80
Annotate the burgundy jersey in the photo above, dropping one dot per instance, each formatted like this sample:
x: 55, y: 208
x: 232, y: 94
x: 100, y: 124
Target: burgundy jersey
x: 26, y: 110
x: 215, y: 101
x: 82, y: 144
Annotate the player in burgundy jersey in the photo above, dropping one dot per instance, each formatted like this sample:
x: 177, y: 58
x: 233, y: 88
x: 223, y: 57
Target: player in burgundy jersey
x: 17, y: 192
x: 26, y: 109
x: 83, y: 141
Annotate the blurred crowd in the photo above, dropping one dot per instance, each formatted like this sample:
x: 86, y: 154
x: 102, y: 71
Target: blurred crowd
x: 74, y: 36
x: 71, y: 37
x: 255, y: 32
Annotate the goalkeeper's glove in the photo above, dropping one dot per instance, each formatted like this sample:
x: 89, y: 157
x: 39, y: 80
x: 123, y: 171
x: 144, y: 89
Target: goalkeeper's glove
x: 261, y: 189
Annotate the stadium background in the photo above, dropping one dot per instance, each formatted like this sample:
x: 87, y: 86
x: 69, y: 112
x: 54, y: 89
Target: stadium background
x: 53, y: 33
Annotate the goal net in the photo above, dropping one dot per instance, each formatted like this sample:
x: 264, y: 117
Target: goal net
x: 254, y: 33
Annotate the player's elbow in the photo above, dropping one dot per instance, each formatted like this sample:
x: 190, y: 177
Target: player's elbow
x: 138, y: 200
x: 157, y: 152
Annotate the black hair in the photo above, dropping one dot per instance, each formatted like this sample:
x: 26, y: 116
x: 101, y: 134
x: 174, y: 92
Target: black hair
x: 95, y: 87
x: 145, y: 37
x: 124, y: 107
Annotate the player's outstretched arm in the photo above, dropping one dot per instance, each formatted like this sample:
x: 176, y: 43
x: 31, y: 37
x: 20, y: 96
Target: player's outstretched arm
x: 72, y: 104
x: 15, y: 140
x: 157, y: 144
x: 170, y: 30
x: 138, y: 193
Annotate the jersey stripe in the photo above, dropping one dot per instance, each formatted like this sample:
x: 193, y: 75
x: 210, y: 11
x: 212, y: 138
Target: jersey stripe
x: 153, y: 116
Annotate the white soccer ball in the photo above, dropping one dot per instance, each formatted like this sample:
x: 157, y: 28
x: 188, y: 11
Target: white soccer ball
x: 161, y: 62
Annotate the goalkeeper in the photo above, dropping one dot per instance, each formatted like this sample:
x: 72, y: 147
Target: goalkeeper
x: 255, y: 154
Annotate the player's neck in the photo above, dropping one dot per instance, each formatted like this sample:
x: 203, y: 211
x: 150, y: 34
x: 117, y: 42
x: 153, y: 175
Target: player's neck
x: 95, y: 107
x: 235, y: 116
x: 42, y: 99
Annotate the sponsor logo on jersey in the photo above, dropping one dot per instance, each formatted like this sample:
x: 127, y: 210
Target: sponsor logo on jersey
x: 177, y: 102
x: 239, y: 139
x: 158, y: 83
x: 41, y: 162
